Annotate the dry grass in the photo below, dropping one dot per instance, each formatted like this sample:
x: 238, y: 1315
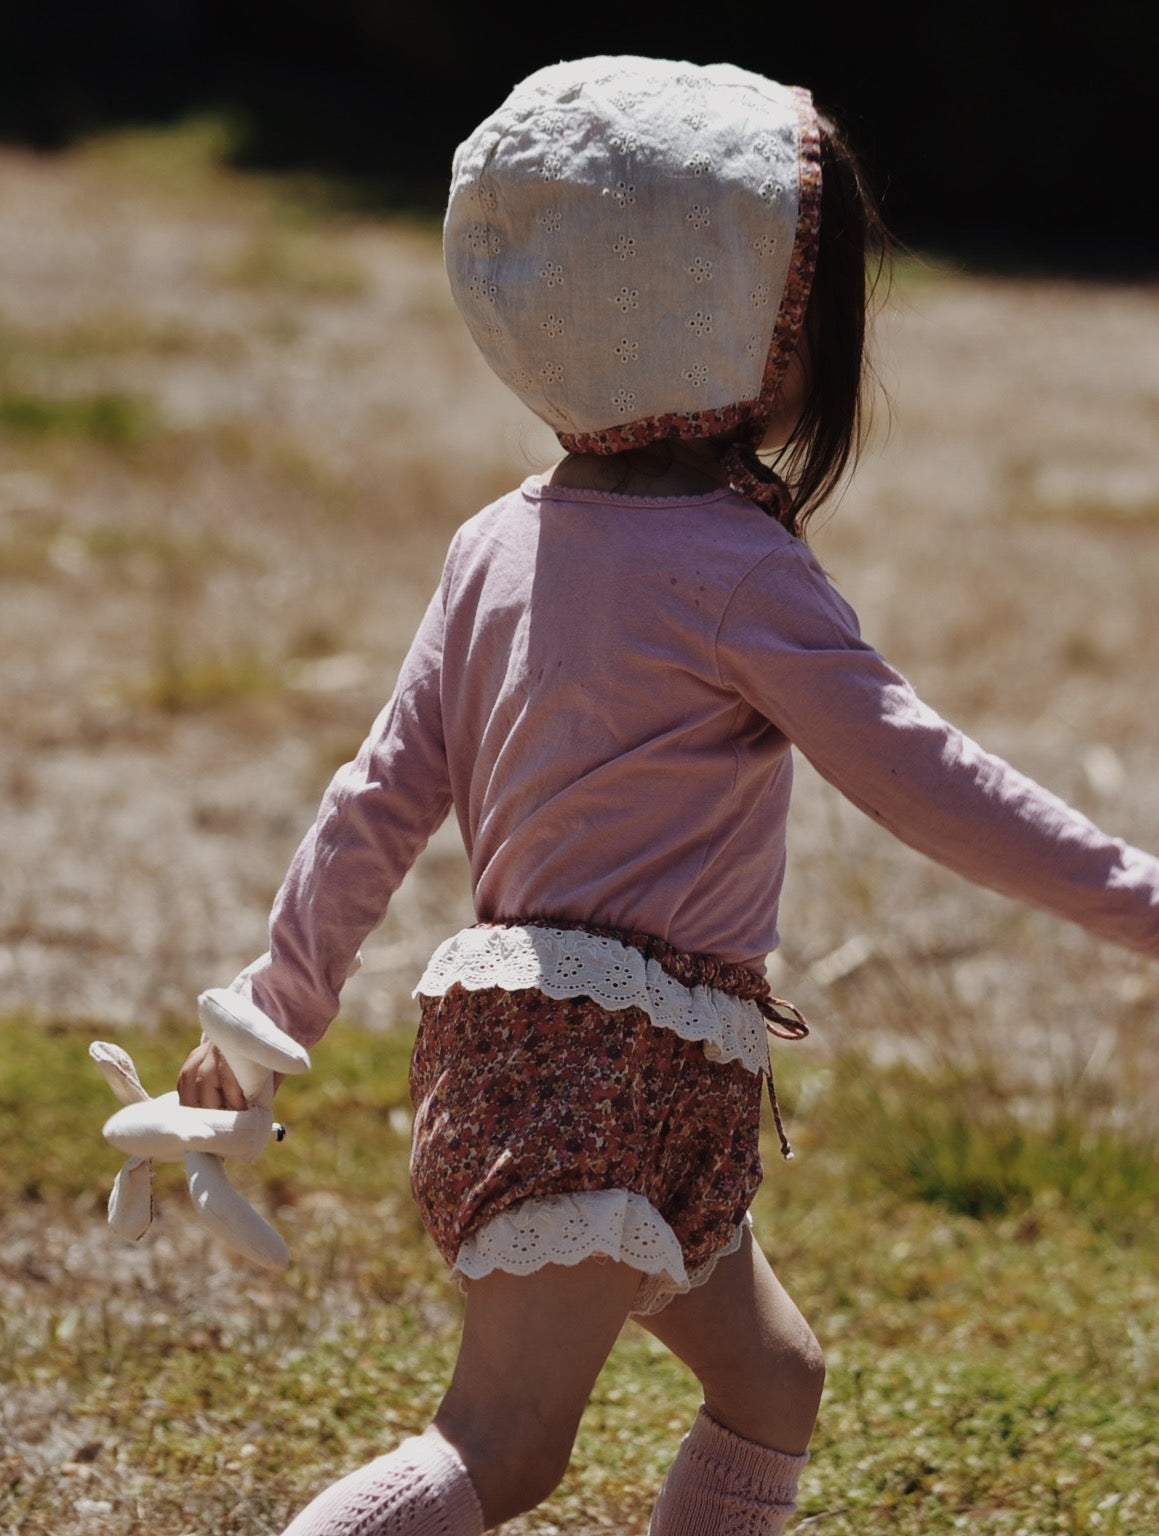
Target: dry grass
x: 235, y: 435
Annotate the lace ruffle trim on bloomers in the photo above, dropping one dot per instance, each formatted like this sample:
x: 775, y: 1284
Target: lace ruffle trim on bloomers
x: 566, y: 1229
x: 566, y: 962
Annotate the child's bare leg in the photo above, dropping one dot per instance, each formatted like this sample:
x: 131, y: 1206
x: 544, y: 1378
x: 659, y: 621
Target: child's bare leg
x: 532, y: 1348
x: 751, y: 1350
x: 762, y: 1373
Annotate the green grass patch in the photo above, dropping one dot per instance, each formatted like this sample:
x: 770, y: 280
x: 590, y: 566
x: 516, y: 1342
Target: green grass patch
x: 189, y: 152
x: 107, y: 418
x: 994, y: 1369
x: 969, y: 1143
x: 112, y: 333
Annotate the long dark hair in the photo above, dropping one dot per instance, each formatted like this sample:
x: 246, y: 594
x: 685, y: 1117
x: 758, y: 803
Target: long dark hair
x: 851, y: 257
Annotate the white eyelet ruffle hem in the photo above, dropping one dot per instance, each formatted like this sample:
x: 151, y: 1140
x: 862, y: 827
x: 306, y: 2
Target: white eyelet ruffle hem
x: 615, y: 1224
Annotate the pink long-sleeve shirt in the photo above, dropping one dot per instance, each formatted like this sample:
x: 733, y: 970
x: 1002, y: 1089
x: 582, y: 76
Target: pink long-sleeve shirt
x: 606, y: 689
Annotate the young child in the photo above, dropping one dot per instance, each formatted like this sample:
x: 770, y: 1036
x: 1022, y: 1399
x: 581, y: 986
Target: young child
x: 667, y: 263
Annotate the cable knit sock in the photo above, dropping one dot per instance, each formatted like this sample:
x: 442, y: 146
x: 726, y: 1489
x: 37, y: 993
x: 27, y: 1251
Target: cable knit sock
x: 723, y: 1485
x: 422, y: 1489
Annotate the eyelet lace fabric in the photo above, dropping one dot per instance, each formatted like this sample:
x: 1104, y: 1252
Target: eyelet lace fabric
x: 656, y: 180
x: 568, y: 962
x: 567, y: 1229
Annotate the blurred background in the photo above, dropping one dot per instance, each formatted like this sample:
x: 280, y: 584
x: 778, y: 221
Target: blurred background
x: 239, y: 420
x: 1002, y: 131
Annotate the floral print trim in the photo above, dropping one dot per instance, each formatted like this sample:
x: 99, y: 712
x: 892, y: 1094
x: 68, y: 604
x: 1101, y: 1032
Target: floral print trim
x: 651, y: 429
x: 803, y: 262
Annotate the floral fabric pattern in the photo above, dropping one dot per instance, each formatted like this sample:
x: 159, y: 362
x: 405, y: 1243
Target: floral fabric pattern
x: 518, y: 1096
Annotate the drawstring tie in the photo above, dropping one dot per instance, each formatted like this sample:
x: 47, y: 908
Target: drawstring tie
x: 781, y: 1018
x: 786, y: 1022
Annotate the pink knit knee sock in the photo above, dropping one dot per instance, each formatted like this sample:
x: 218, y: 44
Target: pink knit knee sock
x: 422, y: 1489
x: 723, y: 1485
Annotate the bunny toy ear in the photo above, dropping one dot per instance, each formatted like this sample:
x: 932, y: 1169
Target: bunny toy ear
x: 147, y: 1128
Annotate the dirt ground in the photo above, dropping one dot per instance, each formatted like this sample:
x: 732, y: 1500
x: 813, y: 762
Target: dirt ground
x: 211, y: 563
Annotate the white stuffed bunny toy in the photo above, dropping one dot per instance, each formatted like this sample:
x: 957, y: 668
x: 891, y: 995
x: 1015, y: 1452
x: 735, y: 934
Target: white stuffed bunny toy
x: 169, y: 1131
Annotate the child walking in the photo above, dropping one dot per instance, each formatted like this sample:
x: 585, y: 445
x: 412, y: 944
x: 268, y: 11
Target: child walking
x: 667, y: 263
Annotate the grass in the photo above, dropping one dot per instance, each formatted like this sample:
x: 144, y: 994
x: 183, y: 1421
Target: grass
x: 970, y: 1147
x: 297, y: 262
x: 109, y: 419
x: 178, y: 682
x: 38, y: 542
x: 994, y: 1362
x: 187, y: 156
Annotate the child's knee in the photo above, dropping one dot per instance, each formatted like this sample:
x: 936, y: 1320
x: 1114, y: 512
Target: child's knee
x: 771, y: 1392
x: 514, y: 1463
x: 798, y: 1368
x: 809, y: 1365
x: 792, y: 1365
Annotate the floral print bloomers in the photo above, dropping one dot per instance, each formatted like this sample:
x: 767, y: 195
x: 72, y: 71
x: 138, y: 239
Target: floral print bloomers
x: 581, y: 1092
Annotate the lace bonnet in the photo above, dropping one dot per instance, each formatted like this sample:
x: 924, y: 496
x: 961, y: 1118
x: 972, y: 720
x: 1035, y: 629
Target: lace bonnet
x: 631, y: 242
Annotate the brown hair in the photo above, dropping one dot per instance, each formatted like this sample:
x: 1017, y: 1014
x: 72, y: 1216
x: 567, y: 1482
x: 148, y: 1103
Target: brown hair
x: 851, y: 256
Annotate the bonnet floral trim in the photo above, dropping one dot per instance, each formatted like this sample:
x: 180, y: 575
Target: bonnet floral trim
x: 803, y: 262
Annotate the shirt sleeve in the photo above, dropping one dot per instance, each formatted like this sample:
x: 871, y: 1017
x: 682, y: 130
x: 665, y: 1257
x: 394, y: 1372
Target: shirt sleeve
x: 375, y: 818
x: 791, y: 646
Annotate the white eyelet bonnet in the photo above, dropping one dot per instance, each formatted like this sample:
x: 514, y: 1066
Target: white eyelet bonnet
x: 631, y: 242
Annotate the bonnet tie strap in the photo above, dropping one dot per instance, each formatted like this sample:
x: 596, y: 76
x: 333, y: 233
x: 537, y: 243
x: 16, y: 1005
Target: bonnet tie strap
x: 750, y: 476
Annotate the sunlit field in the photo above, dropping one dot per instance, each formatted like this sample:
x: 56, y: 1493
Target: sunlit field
x: 237, y: 427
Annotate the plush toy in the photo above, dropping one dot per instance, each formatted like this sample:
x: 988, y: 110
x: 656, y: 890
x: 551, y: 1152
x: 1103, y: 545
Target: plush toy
x: 169, y: 1131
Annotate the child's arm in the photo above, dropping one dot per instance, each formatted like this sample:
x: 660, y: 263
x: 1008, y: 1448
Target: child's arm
x: 375, y: 818
x: 792, y: 647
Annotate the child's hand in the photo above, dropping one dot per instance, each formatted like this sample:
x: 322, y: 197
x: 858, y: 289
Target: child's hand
x: 207, y: 1082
